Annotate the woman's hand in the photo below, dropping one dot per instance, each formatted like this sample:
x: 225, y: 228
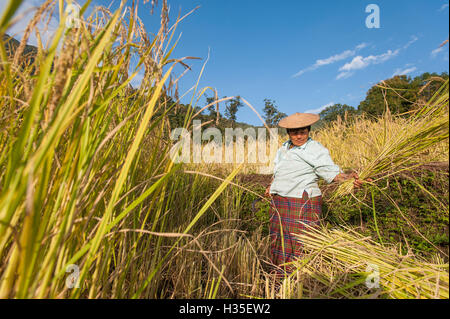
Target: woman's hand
x: 267, y: 193
x: 357, y: 183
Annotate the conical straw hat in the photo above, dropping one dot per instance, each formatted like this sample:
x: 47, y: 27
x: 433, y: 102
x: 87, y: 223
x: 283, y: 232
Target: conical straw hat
x: 299, y: 120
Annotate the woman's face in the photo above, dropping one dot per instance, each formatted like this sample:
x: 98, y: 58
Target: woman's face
x: 298, y: 136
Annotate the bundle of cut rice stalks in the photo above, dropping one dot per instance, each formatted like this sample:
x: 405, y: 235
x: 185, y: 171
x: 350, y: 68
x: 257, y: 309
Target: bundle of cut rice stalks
x: 341, y: 263
x: 397, y: 150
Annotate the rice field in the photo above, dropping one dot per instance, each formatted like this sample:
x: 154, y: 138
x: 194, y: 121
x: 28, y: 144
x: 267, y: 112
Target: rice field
x: 92, y: 206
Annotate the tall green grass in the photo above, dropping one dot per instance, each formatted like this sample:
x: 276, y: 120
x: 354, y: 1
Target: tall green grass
x: 86, y: 179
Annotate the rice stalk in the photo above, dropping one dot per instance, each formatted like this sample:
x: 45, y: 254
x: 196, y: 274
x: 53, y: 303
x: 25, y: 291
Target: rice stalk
x: 423, y: 130
x: 344, y: 251
x: 85, y: 159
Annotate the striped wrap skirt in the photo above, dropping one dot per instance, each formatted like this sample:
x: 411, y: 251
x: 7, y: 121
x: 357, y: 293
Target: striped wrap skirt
x: 291, y: 214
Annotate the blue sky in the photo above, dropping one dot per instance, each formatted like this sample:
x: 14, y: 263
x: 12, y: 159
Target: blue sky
x: 303, y: 54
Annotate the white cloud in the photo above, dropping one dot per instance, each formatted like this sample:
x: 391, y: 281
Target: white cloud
x: 357, y: 63
x: 303, y: 71
x: 344, y: 75
x: 400, y: 71
x: 332, y: 59
x: 361, y: 46
x: 413, y: 39
x: 360, y: 62
x: 335, y: 58
x: 443, y: 7
x: 436, y: 51
x: 320, y: 109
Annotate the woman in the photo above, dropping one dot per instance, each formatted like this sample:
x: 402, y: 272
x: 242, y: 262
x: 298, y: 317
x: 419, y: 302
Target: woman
x: 296, y: 197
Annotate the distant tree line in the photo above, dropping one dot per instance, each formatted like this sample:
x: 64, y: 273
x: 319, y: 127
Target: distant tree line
x: 271, y: 114
x: 400, y: 94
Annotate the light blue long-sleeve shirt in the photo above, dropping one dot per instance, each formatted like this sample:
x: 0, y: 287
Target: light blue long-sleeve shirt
x: 299, y: 168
